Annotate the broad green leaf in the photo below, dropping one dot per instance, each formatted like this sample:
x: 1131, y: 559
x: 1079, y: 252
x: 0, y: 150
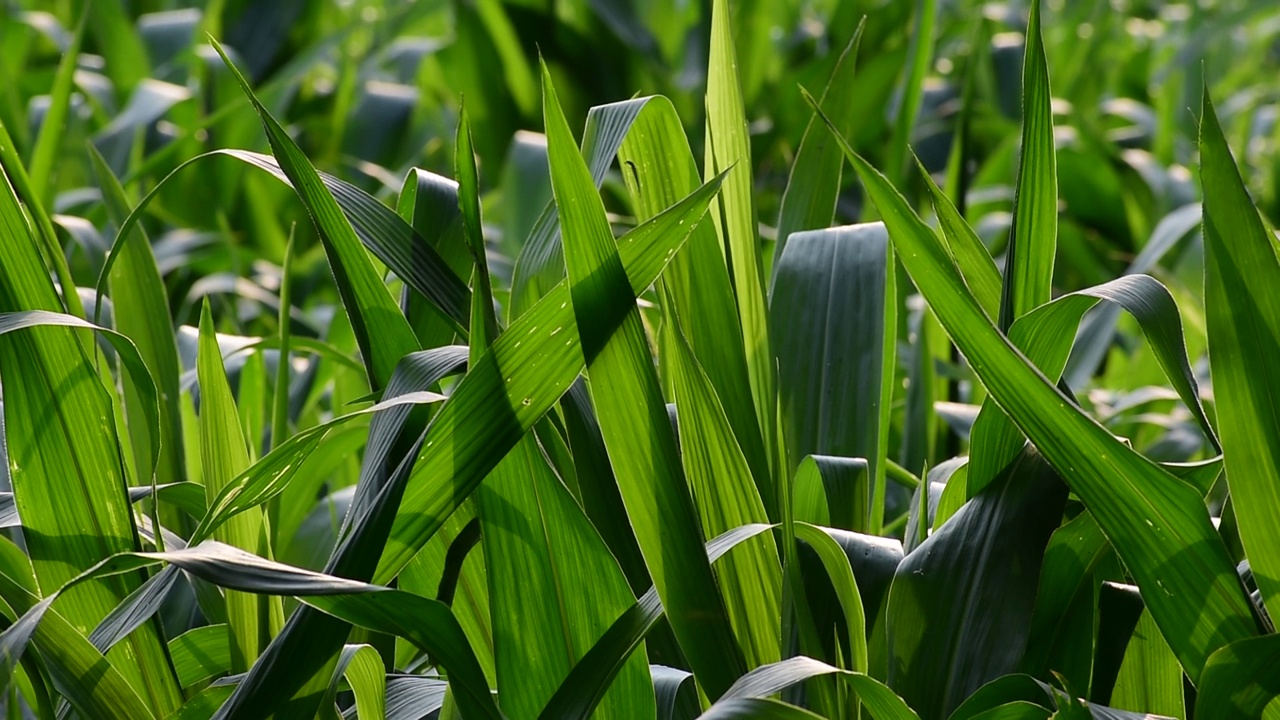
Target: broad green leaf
x: 833, y: 321
x: 597, y: 486
x: 483, y: 323
x: 1159, y: 524
x: 427, y: 623
x: 64, y: 457
x: 829, y: 490
x: 1242, y: 305
x: 809, y: 200
x: 728, y: 150
x: 725, y: 496
x: 1240, y: 680
x: 429, y: 203
x: 961, y: 603
x: 659, y: 170
x: 750, y: 708
x: 540, y: 264
x: 554, y: 588
x: 381, y: 329
x: 578, y: 695
x: 223, y: 456
x: 966, y: 248
x: 1097, y: 331
x: 1150, y: 678
x: 1018, y: 710
x: 675, y: 692
x: 201, y: 654
x: 1033, y: 236
x: 362, y: 667
x: 633, y: 417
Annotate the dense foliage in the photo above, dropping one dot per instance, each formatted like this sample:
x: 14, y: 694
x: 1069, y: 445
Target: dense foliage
x: 874, y: 359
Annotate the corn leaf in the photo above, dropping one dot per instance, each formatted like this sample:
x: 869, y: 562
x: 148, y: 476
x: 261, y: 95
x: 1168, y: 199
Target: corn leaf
x: 833, y: 320
x: 1242, y: 305
x: 728, y: 150
x: 633, y: 416
x: 1159, y: 524
x: 1033, y: 236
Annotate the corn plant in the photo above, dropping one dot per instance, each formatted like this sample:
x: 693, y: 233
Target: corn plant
x: 283, y: 443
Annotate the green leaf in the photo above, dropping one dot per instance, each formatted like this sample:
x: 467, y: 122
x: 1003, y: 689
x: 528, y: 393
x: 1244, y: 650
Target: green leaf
x: 832, y: 308
x: 382, y: 331
x: 201, y: 654
x: 1045, y: 336
x: 966, y: 249
x: 836, y: 563
x: 633, y: 416
x: 728, y: 150
x: 1066, y: 583
x: 427, y: 623
x: 1240, y: 680
x: 756, y: 709
x: 809, y: 200
x: 554, y: 588
x: 141, y: 306
x: 1033, y: 236
x: 578, y: 695
x: 726, y: 497
x: 961, y: 603
x: 1150, y: 678
x: 659, y: 170
x: 1242, y: 307
x: 1159, y: 524
x: 64, y: 457
x: 223, y: 456
x: 771, y: 679
x: 363, y: 669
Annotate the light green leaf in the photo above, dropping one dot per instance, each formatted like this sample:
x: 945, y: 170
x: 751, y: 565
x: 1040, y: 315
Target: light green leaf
x: 1242, y: 305
x: 633, y: 416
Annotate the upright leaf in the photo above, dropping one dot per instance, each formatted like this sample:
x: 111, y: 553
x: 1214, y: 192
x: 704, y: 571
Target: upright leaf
x: 1242, y: 305
x: 633, y: 417
x: 728, y: 150
x: 833, y: 320
x: 1033, y: 236
x: 224, y: 455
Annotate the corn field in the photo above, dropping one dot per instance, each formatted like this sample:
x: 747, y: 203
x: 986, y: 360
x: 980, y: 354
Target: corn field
x: 639, y: 359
